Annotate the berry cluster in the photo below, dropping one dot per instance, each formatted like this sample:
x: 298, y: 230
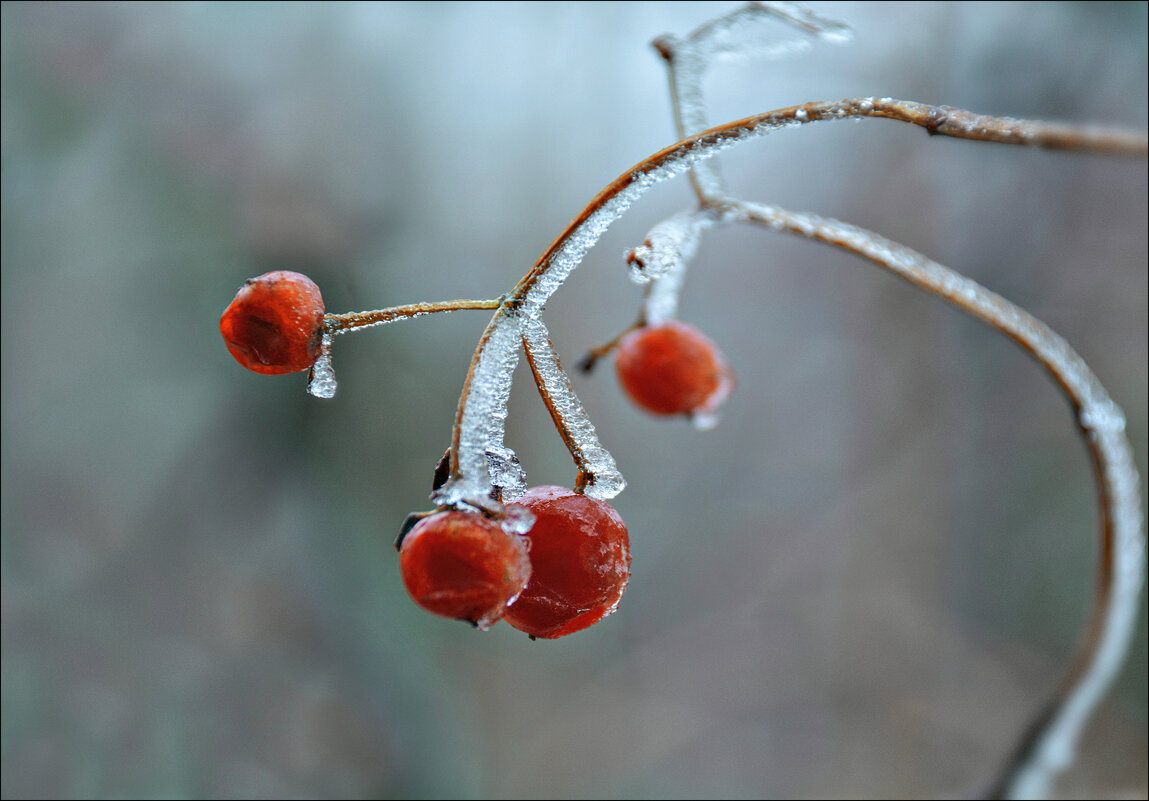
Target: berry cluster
x: 570, y: 568
x: 566, y: 573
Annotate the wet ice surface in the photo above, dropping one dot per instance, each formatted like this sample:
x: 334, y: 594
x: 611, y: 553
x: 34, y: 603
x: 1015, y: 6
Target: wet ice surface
x: 662, y: 261
x: 669, y: 243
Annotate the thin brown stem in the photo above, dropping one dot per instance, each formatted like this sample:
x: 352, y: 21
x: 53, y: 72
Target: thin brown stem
x: 592, y: 357
x: 349, y: 321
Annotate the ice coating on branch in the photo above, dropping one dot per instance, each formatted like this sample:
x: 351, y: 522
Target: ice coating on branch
x: 1055, y: 750
x: 1102, y: 416
x: 484, y: 416
x: 669, y: 244
x: 596, y: 466
x: 321, y: 380
x: 572, y: 248
x: 751, y: 31
x: 662, y: 260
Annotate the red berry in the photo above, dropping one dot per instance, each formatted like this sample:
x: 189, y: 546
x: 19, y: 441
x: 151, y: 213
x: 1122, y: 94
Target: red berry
x: 580, y: 563
x: 275, y: 323
x: 673, y: 369
x: 463, y: 565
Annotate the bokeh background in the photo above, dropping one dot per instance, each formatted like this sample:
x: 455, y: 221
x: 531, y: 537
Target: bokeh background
x: 862, y: 583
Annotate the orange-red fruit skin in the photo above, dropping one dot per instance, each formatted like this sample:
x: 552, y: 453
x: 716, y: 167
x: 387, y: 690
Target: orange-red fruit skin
x: 580, y: 561
x: 463, y: 565
x: 673, y: 369
x: 275, y: 323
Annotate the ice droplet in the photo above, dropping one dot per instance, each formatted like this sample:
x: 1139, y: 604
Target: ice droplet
x: 519, y: 520
x: 704, y: 421
x: 606, y: 485
x: 801, y: 115
x: 321, y: 381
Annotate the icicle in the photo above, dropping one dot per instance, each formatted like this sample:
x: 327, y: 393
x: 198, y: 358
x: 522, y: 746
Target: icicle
x: 321, y: 381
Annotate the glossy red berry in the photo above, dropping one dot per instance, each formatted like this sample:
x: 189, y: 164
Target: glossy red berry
x: 275, y: 323
x: 671, y: 369
x: 463, y: 565
x: 580, y: 563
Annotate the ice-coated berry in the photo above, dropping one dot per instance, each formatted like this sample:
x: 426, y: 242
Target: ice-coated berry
x: 580, y: 563
x: 463, y: 565
x: 275, y: 323
x: 672, y: 369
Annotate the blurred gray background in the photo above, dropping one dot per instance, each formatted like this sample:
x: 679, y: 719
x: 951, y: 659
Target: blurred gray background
x: 861, y: 583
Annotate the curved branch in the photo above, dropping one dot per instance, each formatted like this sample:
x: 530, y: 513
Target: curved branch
x: 1050, y: 742
x: 937, y: 120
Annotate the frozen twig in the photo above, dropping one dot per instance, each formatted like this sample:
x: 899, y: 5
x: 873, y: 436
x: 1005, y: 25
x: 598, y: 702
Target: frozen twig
x: 321, y: 380
x: 765, y: 30
x: 598, y: 474
x: 352, y: 321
